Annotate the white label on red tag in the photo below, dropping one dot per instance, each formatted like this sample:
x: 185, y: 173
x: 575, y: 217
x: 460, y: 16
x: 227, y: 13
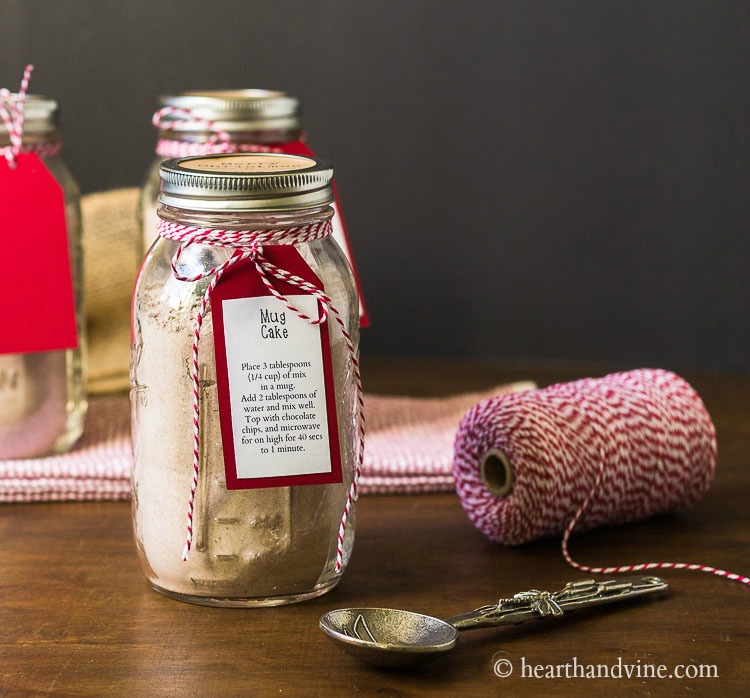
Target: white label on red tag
x: 277, y: 402
x: 276, y: 388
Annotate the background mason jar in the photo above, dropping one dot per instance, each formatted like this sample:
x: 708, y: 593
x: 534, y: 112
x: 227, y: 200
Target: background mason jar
x: 42, y: 394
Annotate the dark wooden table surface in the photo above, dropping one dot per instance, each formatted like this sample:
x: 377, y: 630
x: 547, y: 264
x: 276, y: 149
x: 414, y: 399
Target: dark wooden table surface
x: 77, y: 618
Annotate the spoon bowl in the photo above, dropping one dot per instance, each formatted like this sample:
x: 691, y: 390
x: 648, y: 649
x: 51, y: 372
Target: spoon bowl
x: 388, y: 637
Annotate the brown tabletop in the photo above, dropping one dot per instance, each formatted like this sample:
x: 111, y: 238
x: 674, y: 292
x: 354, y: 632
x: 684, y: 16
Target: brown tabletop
x: 77, y: 618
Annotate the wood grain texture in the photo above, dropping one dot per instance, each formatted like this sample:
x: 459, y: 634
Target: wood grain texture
x: 77, y: 617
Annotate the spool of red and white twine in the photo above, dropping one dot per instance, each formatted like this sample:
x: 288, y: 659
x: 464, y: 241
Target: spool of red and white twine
x: 12, y: 114
x: 594, y: 452
x: 176, y: 118
x: 248, y: 244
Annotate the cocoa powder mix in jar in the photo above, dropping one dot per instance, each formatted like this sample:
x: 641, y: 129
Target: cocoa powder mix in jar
x: 246, y: 400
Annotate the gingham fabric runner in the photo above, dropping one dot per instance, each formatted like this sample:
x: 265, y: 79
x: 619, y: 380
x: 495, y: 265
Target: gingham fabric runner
x: 410, y: 440
x: 98, y: 467
x: 409, y: 449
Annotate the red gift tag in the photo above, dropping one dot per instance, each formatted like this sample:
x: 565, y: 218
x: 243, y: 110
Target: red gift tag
x: 40, y: 307
x: 340, y: 233
x: 277, y: 403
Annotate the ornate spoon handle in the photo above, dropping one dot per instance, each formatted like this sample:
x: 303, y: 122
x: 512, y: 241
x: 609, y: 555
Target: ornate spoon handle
x: 542, y: 604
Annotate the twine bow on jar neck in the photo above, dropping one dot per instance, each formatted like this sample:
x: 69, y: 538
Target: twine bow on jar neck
x: 218, y: 142
x: 248, y: 244
x: 12, y: 115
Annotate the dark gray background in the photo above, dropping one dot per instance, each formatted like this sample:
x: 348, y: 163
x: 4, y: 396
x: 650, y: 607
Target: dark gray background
x: 522, y: 179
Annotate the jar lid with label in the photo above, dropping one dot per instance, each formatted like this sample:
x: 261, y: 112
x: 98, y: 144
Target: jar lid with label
x: 246, y: 182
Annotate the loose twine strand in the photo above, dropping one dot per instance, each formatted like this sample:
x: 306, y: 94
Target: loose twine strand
x: 617, y: 449
x: 248, y: 244
x: 220, y: 140
x: 638, y: 567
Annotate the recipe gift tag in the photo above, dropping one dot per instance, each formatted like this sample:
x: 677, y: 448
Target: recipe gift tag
x: 39, y: 301
x: 339, y: 231
x: 275, y: 379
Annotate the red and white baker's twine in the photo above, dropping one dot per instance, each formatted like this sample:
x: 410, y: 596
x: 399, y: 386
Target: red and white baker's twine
x: 219, y: 142
x: 639, y: 567
x: 617, y: 449
x: 12, y: 115
x: 248, y: 244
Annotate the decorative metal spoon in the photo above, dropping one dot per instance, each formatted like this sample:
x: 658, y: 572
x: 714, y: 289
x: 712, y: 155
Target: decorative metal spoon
x: 388, y: 637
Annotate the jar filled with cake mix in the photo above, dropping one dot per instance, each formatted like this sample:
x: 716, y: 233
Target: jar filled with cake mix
x: 42, y: 396
x: 245, y: 389
x: 230, y: 121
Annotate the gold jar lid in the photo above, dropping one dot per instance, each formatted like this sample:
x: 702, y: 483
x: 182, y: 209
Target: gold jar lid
x: 246, y: 182
x: 40, y: 114
x: 233, y: 110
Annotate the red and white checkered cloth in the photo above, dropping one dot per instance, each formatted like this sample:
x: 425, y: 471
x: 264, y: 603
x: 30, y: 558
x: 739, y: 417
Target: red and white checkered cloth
x: 409, y: 449
x: 97, y: 468
x: 409, y: 445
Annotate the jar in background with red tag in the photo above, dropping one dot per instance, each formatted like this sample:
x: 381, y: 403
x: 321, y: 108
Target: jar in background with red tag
x: 246, y: 399
x: 231, y: 121
x: 42, y: 395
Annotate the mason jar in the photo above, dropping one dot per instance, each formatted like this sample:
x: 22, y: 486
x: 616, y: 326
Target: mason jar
x: 231, y: 121
x: 215, y: 121
x: 245, y: 392
x: 42, y: 393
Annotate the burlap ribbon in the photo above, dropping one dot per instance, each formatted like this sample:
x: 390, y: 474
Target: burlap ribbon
x: 111, y: 234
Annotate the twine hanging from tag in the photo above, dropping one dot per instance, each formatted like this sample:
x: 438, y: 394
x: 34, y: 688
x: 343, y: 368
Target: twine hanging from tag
x: 590, y: 453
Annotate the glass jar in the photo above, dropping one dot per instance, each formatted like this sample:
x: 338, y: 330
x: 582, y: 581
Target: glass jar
x: 231, y: 121
x: 201, y: 123
x: 42, y: 394
x: 272, y: 538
